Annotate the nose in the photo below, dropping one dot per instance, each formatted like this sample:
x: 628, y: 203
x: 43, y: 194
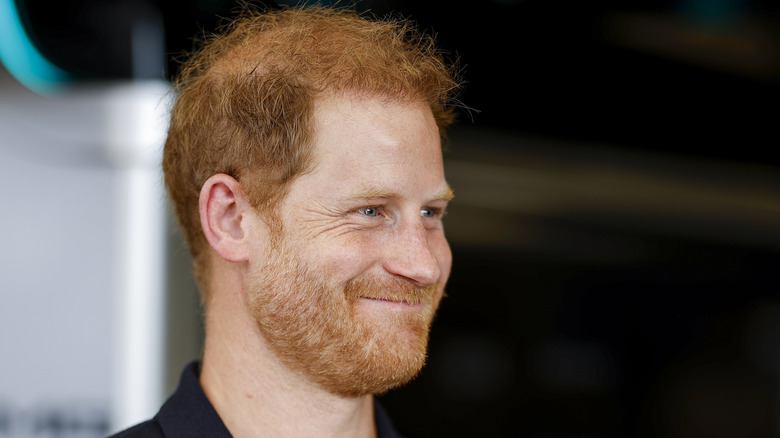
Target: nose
x: 410, y: 255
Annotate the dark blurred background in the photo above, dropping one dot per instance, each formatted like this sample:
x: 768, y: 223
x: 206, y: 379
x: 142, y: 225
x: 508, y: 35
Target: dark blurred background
x: 616, y: 230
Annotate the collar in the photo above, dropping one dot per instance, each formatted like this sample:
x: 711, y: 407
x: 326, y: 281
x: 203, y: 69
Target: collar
x: 188, y: 412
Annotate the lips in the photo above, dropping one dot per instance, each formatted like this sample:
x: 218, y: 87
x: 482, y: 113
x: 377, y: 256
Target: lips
x: 391, y: 291
x: 402, y: 301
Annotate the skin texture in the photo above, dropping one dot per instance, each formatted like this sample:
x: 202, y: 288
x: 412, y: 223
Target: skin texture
x: 337, y: 307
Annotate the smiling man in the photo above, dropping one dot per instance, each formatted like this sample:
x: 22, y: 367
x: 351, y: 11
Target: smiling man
x: 304, y: 163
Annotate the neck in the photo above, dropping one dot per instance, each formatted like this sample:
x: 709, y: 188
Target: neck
x: 256, y: 395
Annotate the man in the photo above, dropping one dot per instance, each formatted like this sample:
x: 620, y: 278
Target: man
x: 304, y: 163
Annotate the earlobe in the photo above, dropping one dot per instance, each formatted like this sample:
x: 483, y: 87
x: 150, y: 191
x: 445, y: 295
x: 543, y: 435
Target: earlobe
x: 223, y: 206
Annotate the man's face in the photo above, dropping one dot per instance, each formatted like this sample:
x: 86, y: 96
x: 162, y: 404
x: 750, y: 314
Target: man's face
x: 348, y: 293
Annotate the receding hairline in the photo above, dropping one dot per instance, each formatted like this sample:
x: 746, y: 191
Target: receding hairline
x: 255, y: 52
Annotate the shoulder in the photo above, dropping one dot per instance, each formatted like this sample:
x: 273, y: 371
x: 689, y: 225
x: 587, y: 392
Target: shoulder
x: 147, y: 429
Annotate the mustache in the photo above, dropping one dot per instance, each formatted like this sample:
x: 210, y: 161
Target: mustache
x: 391, y: 289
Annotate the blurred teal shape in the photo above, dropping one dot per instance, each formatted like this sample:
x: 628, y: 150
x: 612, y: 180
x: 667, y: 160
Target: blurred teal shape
x: 20, y: 56
x: 712, y: 12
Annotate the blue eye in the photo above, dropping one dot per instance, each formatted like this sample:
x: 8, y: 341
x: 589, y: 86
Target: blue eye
x: 368, y: 211
x: 427, y: 212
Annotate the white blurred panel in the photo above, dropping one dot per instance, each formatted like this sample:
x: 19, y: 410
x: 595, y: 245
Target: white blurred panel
x: 81, y: 259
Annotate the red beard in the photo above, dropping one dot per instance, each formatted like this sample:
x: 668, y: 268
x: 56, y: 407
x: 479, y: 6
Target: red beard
x: 348, y: 346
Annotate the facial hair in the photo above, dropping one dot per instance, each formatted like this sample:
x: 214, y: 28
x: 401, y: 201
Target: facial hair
x: 319, y: 329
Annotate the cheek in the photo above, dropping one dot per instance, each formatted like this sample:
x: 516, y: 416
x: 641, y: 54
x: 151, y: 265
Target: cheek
x: 347, y: 258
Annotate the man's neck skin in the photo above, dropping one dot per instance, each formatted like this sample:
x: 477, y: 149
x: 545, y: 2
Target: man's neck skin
x: 253, y: 392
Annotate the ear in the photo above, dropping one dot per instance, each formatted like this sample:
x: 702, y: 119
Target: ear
x: 223, y: 216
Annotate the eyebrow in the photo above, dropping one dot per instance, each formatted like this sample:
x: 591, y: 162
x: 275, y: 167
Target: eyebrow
x: 445, y: 194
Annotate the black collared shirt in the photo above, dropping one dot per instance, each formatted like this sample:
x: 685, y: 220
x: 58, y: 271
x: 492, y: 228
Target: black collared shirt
x: 188, y: 413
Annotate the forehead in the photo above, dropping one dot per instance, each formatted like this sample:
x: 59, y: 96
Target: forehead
x: 349, y: 124
x: 373, y: 143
